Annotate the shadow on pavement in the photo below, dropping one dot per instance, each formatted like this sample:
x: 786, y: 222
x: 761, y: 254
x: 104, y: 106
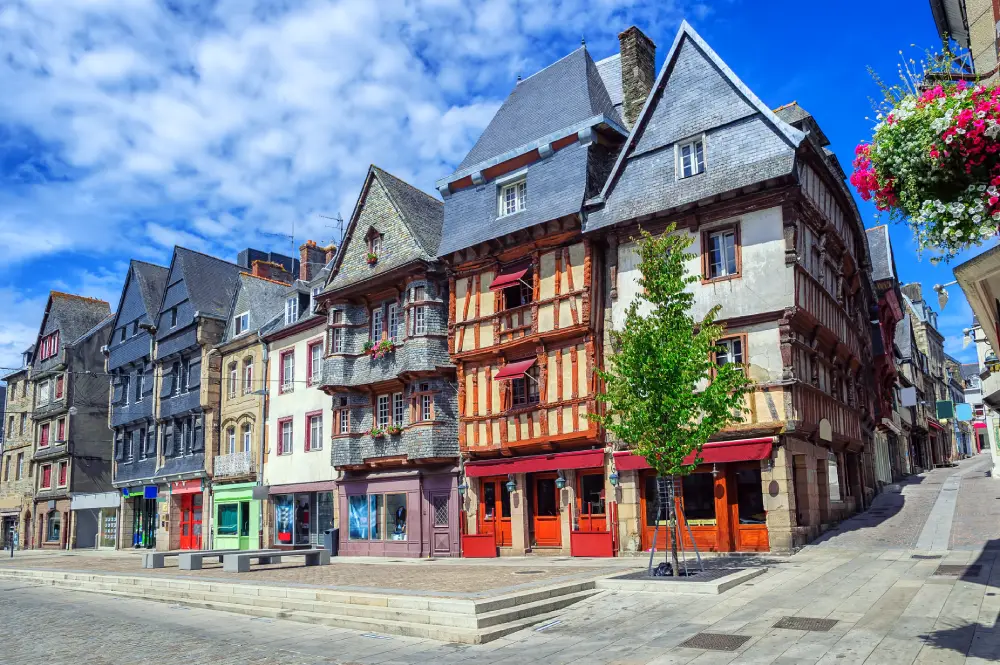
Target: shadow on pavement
x: 973, y: 639
x: 886, y: 504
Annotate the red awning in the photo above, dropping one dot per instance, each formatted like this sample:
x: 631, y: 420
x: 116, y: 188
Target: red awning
x: 579, y: 459
x: 509, y: 276
x: 979, y: 425
x: 514, y: 370
x: 714, y: 452
x: 935, y: 424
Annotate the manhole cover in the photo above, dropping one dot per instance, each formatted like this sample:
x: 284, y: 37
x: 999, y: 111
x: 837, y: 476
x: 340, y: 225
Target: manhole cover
x: 806, y: 623
x: 958, y: 570
x: 716, y: 641
x: 925, y: 556
x: 528, y: 572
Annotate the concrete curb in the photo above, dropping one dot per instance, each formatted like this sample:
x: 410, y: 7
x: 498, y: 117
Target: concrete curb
x: 663, y: 585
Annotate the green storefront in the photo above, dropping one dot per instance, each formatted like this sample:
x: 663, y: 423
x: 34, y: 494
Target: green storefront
x: 237, y: 517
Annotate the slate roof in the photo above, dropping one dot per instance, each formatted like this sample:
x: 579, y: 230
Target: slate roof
x: 969, y: 370
x: 421, y: 212
x: 880, y: 250
x: 565, y: 93
x: 152, y: 281
x: 555, y: 187
x: 695, y: 92
x: 610, y: 70
x: 904, y: 336
x: 210, y: 281
x: 801, y: 119
x: 75, y: 315
x: 96, y: 329
x: 263, y: 298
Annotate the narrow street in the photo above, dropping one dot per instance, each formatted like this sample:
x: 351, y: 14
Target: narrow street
x: 873, y: 578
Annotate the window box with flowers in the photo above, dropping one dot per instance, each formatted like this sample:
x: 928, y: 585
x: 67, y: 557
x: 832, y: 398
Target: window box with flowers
x: 372, y: 259
x: 394, y: 430
x: 377, y: 433
x: 382, y: 349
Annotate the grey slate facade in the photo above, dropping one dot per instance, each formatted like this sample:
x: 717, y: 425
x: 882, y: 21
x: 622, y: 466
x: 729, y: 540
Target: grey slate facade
x: 130, y: 362
x: 409, y: 222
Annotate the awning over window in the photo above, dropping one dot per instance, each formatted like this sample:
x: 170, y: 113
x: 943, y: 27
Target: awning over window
x: 714, y: 452
x: 509, y: 276
x: 579, y: 459
x: 514, y: 370
x: 935, y: 425
x: 979, y: 425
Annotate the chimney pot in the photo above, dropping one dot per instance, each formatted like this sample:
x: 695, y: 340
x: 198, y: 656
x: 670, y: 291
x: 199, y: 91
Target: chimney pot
x: 331, y: 252
x: 638, y: 54
x: 310, y: 260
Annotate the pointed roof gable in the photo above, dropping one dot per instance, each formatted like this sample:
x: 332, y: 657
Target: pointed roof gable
x: 567, y: 92
x: 209, y: 281
x: 152, y: 280
x: 72, y: 315
x: 263, y: 298
x: 695, y: 93
x: 880, y: 250
x: 409, y: 219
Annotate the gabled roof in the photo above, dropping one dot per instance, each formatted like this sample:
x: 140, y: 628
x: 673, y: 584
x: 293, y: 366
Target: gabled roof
x: 708, y: 96
x: 567, y: 92
x: 610, y: 70
x: 210, y: 282
x: 412, y: 234
x: 880, y: 250
x: 904, y: 336
x: 801, y: 119
x: 152, y: 281
x: 96, y: 329
x: 74, y: 315
x: 263, y: 298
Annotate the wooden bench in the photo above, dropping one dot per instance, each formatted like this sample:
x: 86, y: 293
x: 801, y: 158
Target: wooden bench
x: 193, y: 560
x: 239, y: 562
x: 158, y: 559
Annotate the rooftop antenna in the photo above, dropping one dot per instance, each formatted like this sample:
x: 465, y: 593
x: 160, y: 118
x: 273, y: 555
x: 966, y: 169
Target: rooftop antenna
x: 339, y: 227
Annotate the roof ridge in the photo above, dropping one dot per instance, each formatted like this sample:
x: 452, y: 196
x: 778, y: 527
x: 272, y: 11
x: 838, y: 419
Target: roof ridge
x: 63, y: 294
x: 551, y: 64
x: 243, y: 273
x: 207, y: 256
x: 413, y: 187
x: 790, y: 104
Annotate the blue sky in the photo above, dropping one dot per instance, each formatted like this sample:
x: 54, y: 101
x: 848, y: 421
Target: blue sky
x: 132, y: 125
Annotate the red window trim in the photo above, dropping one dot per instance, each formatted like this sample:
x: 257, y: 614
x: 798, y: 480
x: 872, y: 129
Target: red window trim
x: 46, y: 472
x: 309, y: 368
x: 309, y: 416
x: 43, y: 436
x: 281, y: 424
x: 281, y: 371
x: 63, y: 473
x: 61, y: 429
x: 59, y: 386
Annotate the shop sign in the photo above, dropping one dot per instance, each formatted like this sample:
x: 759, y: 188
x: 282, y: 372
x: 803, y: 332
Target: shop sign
x: 186, y: 486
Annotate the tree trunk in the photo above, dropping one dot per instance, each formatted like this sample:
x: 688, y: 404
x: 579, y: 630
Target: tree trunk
x: 672, y: 522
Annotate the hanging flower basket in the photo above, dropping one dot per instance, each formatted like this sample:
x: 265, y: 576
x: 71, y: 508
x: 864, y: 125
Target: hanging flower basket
x: 934, y: 161
x: 382, y: 349
x: 372, y: 259
x: 377, y: 433
x: 395, y: 430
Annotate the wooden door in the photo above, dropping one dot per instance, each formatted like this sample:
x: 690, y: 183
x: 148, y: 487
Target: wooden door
x: 440, y: 508
x: 746, y: 508
x: 548, y: 531
x: 590, y: 504
x: 191, y: 505
x: 494, y: 510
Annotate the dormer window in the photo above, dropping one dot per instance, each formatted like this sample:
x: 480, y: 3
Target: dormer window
x: 241, y: 323
x: 374, y: 246
x: 313, y: 293
x: 291, y: 309
x: 513, y: 198
x: 692, y: 158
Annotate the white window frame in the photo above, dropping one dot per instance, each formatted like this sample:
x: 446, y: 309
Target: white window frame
x: 247, y: 431
x: 420, y: 320
x: 315, y: 362
x: 425, y: 407
x: 377, y: 327
x: 398, y: 409
x: 375, y: 244
x: 338, y: 341
x: 247, y: 377
x: 287, y: 377
x: 730, y: 355
x: 291, y: 309
x: 231, y: 440
x: 392, y: 319
x: 728, y: 232
x: 313, y: 292
x: 285, y: 447
x: 690, y: 162
x: 140, y: 387
x: 241, y: 324
x: 512, y: 196
x: 382, y: 413
x: 316, y: 432
x: 345, y: 421
x: 234, y: 374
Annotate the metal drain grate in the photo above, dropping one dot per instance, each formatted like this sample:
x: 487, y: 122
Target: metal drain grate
x: 715, y: 641
x: 806, y: 623
x: 528, y: 572
x: 925, y: 556
x: 958, y: 570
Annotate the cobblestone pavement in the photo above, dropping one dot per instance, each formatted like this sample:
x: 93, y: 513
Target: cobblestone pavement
x: 888, y: 605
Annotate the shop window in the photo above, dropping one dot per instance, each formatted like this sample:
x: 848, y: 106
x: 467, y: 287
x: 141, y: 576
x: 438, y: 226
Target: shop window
x: 592, y: 494
x: 228, y: 519
x: 284, y: 514
x: 244, y: 519
x: 698, y: 492
x: 377, y: 517
x: 750, y: 497
x: 53, y: 528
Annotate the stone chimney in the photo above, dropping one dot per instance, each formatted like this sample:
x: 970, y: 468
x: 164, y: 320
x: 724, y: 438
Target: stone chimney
x: 914, y: 291
x: 270, y: 270
x: 310, y: 260
x: 638, y: 71
x: 331, y: 252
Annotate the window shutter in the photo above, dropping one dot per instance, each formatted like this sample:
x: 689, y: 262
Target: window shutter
x: 168, y: 440
x: 147, y: 385
x: 119, y: 453
x: 151, y: 440
x: 194, y: 373
x: 167, y: 385
x: 198, y: 445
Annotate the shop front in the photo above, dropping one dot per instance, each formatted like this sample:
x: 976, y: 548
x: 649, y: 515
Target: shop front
x: 139, y: 511
x: 237, y: 524
x: 187, y: 504
x: 301, y: 514
x: 95, y: 520
x: 408, y: 514
x: 720, y: 506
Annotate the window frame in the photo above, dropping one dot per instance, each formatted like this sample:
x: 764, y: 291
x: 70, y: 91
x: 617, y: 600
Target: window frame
x: 311, y: 443
x: 706, y: 243
x: 288, y: 420
x: 392, y: 321
x: 247, y: 376
x: 231, y: 440
x: 246, y: 434
x: 45, y: 477
x: 43, y: 435
x: 241, y: 323
x: 60, y: 388
x: 381, y: 324
x: 693, y: 141
x: 380, y: 423
x: 283, y: 386
x: 234, y: 374
x: 398, y: 409
x: 61, y: 429
x: 313, y: 372
x: 742, y: 338
x: 517, y: 184
x: 291, y: 309
x: 420, y: 320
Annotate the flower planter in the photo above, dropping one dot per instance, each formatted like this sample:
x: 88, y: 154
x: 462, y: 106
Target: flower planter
x: 372, y: 259
x: 591, y: 543
x: 479, y: 546
x: 395, y: 431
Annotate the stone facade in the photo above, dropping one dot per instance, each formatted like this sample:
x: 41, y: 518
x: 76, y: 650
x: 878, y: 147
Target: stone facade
x: 16, y: 476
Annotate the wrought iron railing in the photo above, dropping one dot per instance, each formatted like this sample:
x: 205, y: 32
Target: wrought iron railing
x: 234, y: 464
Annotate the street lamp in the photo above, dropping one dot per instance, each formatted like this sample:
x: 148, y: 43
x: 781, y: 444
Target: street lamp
x: 561, y: 481
x: 511, y: 485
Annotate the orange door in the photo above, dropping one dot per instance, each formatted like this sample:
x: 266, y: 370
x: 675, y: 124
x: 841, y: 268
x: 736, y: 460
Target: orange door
x: 548, y: 532
x: 191, y: 521
x: 590, y: 502
x: 747, y: 514
x: 494, y: 510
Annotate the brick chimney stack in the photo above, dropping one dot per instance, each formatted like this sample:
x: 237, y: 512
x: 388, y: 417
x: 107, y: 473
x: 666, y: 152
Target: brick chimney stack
x: 331, y: 252
x: 310, y: 260
x: 638, y: 71
x: 914, y: 291
x: 270, y: 270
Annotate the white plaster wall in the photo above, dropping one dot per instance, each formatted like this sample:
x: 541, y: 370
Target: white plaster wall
x: 763, y: 352
x: 766, y: 283
x: 300, y: 466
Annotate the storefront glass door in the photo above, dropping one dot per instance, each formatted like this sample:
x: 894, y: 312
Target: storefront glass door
x: 494, y: 510
x: 108, y: 524
x: 547, y: 530
x: 748, y: 516
x: 143, y: 523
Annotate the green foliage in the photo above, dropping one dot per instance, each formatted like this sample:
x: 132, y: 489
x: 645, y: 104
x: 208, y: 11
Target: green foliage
x: 664, y: 395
